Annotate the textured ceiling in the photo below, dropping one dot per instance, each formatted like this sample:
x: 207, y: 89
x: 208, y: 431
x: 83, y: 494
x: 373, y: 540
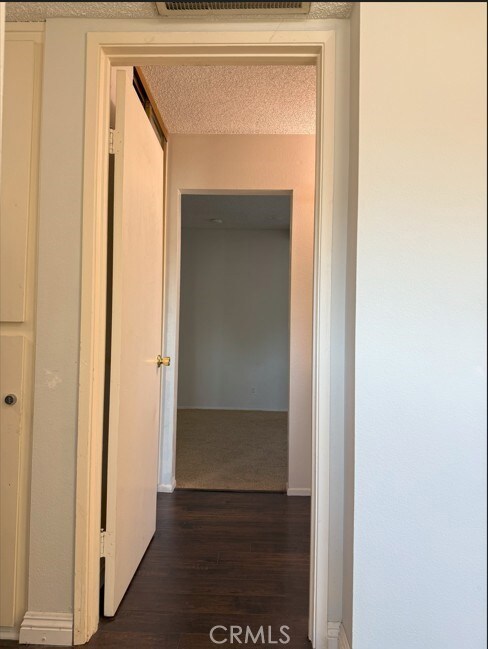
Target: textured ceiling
x: 236, y: 212
x: 235, y: 99
x: 36, y: 11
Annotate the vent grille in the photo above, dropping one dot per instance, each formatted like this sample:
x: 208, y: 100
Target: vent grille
x: 172, y: 8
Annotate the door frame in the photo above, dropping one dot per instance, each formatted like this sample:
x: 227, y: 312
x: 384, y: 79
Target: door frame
x: 105, y: 50
x: 167, y: 468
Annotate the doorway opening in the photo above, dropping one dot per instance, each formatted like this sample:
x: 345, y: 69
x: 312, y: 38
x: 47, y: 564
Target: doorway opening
x: 245, y: 281
x: 234, y: 342
x: 103, y: 52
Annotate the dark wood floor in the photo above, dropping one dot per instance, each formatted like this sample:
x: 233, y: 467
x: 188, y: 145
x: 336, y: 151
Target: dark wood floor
x: 218, y: 558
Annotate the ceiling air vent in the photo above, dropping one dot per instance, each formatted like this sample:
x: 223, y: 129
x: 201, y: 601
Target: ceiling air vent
x: 207, y: 8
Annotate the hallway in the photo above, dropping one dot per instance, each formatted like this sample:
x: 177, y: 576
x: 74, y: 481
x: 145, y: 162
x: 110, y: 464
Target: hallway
x: 217, y: 559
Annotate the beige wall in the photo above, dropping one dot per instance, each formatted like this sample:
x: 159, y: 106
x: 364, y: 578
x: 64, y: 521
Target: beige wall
x: 420, y: 444
x: 249, y: 162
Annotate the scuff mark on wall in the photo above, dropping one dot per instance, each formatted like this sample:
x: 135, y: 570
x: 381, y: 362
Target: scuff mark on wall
x: 52, y: 379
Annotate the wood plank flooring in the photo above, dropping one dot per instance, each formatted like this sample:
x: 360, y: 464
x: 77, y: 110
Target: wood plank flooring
x: 218, y: 558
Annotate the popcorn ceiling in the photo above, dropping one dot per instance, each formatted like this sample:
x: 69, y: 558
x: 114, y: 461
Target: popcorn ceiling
x: 35, y: 11
x: 213, y: 99
x: 38, y: 11
x: 330, y: 10
x: 270, y: 99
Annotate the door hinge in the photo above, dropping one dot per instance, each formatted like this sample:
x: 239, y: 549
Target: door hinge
x: 103, y: 534
x: 111, y: 141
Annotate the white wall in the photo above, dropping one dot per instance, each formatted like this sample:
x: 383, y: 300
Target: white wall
x: 234, y: 313
x: 420, y: 492
x: 262, y: 163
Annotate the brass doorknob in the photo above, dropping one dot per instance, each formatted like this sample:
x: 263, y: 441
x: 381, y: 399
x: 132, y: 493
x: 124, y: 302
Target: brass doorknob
x: 163, y: 360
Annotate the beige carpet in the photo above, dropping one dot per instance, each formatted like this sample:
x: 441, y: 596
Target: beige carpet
x: 233, y: 450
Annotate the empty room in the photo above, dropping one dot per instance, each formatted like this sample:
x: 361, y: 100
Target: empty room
x: 233, y: 374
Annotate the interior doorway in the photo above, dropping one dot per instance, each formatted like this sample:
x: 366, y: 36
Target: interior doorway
x: 99, y: 61
x: 245, y: 281
x: 234, y: 342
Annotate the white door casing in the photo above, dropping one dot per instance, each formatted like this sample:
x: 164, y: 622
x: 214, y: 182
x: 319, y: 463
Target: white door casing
x: 217, y: 47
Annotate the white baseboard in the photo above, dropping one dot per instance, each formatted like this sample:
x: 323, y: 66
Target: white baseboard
x: 9, y: 633
x: 292, y: 491
x: 333, y: 635
x: 167, y: 488
x: 47, y: 629
x: 336, y: 636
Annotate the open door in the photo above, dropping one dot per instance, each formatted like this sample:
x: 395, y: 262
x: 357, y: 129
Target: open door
x: 137, y: 291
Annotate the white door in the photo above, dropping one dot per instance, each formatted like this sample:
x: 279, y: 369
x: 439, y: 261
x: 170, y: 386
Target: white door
x: 133, y: 432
